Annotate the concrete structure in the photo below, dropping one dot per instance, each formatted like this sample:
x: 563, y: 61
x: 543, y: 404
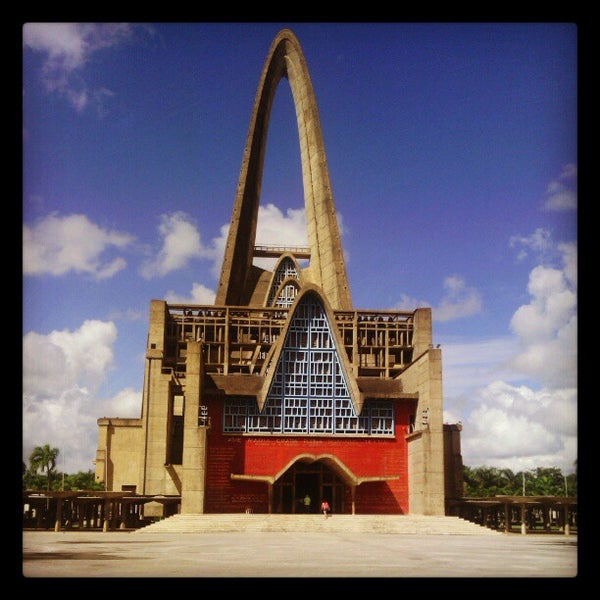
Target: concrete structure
x: 282, y: 388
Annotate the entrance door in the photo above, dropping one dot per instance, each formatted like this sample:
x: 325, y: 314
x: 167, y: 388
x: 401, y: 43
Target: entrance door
x: 315, y: 479
x: 307, y: 485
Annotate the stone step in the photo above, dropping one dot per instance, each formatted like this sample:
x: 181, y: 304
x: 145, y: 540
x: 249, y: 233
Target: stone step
x: 236, y: 522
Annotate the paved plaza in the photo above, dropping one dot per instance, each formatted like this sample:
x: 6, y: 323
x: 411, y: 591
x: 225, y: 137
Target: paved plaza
x: 118, y: 554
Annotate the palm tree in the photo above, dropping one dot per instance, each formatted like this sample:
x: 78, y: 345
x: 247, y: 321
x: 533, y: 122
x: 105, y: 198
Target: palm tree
x: 44, y: 458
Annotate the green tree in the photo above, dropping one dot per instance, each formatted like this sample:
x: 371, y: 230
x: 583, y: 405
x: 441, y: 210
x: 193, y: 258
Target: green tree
x: 482, y: 482
x: 83, y: 480
x: 512, y: 482
x: 43, y: 458
x: 546, y: 482
x: 571, y: 482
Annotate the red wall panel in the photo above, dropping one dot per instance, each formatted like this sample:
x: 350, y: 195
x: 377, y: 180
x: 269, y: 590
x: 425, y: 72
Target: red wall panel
x: 269, y: 455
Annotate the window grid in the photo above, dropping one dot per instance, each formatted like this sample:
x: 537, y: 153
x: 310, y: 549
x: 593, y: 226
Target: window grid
x: 287, y: 295
x: 308, y: 393
x: 241, y: 415
x: 286, y: 268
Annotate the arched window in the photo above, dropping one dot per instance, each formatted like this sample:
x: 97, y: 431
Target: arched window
x: 286, y: 269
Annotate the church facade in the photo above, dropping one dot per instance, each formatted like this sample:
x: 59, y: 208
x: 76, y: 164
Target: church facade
x: 282, y: 390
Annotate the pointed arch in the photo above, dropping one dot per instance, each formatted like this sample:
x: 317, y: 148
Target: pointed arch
x: 339, y: 382
x: 327, y: 266
x: 287, y: 269
x: 286, y: 293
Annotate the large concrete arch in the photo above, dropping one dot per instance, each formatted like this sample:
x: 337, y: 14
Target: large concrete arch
x: 327, y: 265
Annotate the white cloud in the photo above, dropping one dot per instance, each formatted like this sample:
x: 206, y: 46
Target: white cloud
x: 57, y: 245
x: 180, y: 244
x: 539, y: 242
x: 127, y: 404
x: 219, y: 245
x: 276, y: 229
x: 128, y: 314
x: 67, y: 48
x: 522, y: 427
x: 459, y: 301
x: 200, y: 294
x: 408, y: 303
x: 62, y: 372
x: 273, y: 228
x: 470, y: 365
x: 561, y: 197
x: 547, y: 326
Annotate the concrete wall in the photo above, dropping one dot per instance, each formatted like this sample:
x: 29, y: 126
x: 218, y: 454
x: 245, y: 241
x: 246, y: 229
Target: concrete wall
x: 194, y: 437
x: 453, y: 464
x: 426, y: 444
x: 120, y: 440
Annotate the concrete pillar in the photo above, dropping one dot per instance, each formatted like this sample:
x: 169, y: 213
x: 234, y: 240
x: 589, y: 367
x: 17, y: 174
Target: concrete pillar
x: 58, y: 520
x: 546, y: 517
x: 426, y: 443
x: 566, y: 517
x: 194, y: 437
x: 107, y: 525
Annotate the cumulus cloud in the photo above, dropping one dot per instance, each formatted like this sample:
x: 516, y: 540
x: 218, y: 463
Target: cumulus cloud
x: 67, y: 48
x: 200, y: 294
x: 459, y: 300
x: 547, y: 326
x: 57, y: 245
x: 273, y: 228
x: 512, y: 425
x: 126, y: 404
x: 62, y: 372
x: 518, y: 428
x: 181, y: 243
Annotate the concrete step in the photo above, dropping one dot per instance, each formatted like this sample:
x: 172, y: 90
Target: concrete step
x: 400, y: 524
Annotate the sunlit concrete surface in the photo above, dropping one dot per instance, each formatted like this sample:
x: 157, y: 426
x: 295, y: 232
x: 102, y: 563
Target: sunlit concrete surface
x: 286, y: 554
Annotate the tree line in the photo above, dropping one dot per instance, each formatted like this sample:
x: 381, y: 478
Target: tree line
x: 479, y: 482
x: 482, y: 482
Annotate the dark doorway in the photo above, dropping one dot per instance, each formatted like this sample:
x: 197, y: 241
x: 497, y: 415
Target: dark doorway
x: 315, y: 479
x: 307, y: 486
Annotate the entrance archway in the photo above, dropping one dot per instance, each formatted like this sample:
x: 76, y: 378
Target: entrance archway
x: 315, y: 479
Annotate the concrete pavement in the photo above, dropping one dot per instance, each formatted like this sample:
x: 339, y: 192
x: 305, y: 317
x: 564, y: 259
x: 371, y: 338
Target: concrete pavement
x: 119, y: 554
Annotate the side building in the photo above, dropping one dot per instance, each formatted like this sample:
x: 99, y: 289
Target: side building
x: 281, y: 389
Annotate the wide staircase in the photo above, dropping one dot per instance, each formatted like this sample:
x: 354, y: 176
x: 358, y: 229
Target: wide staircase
x: 240, y: 522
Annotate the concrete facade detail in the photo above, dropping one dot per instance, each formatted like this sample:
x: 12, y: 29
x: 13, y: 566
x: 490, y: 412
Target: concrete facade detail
x: 281, y: 389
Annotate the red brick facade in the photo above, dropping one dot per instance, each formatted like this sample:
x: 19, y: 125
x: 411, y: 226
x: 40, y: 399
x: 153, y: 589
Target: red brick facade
x: 258, y: 455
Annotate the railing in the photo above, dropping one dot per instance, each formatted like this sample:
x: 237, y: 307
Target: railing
x: 276, y: 251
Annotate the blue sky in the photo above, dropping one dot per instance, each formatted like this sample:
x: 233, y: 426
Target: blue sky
x: 452, y: 151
